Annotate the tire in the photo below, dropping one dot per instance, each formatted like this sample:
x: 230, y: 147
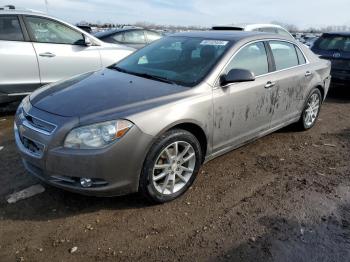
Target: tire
x: 161, y: 162
x: 307, y: 121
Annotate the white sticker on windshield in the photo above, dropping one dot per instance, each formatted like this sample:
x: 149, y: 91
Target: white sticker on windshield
x: 214, y: 42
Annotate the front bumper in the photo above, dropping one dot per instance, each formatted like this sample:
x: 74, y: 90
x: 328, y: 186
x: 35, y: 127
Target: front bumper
x: 115, y: 169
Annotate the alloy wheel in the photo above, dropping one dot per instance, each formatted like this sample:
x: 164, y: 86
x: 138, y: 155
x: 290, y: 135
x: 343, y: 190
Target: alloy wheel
x: 312, y: 110
x: 174, y: 167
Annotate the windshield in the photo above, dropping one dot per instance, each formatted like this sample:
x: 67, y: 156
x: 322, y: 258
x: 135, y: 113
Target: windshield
x: 334, y: 43
x: 179, y: 60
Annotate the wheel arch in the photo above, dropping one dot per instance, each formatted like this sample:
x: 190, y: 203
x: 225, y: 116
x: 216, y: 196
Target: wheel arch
x: 194, y: 128
x: 322, y: 90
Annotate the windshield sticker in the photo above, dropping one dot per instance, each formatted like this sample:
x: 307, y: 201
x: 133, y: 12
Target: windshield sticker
x: 214, y: 42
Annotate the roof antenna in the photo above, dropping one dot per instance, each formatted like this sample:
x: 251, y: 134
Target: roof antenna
x: 47, y: 6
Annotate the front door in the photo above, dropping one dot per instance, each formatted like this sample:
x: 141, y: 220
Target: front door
x: 19, y: 71
x: 60, y: 50
x: 243, y: 110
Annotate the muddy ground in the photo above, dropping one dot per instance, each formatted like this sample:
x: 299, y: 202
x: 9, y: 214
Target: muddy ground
x: 285, y: 197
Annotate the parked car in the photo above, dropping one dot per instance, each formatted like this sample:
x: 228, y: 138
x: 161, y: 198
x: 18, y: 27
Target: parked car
x: 86, y: 28
x: 309, y: 42
x: 133, y: 37
x: 336, y: 48
x: 266, y: 28
x: 36, y: 49
x: 149, y: 122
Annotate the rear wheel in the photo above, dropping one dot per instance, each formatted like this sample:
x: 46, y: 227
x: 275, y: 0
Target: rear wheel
x: 311, y: 110
x: 171, y: 166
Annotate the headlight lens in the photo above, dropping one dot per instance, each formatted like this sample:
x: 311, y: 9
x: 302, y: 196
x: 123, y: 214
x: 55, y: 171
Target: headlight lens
x: 97, y: 135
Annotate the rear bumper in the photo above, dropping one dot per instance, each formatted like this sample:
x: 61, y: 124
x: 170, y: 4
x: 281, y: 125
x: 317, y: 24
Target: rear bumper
x: 115, y: 170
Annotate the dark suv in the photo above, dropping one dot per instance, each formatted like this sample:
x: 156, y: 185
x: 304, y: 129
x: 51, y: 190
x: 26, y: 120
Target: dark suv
x: 336, y: 48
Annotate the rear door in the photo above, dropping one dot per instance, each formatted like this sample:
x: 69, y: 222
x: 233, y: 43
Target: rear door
x: 60, y: 49
x: 291, y: 79
x: 19, y: 72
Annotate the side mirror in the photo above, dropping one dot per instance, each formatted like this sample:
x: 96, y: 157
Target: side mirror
x: 237, y: 76
x: 87, y: 41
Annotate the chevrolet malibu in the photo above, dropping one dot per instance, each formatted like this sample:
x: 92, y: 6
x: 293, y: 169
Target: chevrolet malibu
x: 147, y: 123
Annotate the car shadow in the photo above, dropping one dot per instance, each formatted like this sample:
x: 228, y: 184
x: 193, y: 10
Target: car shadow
x: 289, y: 240
x: 55, y: 203
x: 9, y: 108
x: 339, y: 93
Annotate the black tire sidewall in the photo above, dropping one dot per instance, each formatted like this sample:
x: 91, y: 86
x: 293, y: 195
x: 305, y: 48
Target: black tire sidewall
x: 146, y: 186
x: 313, y: 91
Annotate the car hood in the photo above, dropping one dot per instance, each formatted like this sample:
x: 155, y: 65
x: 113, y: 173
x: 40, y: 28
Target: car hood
x: 106, y: 90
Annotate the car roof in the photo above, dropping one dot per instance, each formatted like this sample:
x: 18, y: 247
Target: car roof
x: 247, y: 26
x: 119, y: 30
x: 21, y: 12
x: 231, y: 35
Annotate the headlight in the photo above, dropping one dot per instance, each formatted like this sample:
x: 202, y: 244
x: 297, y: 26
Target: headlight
x: 97, y: 135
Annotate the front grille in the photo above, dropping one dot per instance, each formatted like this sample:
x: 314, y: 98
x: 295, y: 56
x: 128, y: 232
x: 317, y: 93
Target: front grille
x: 33, y: 147
x: 37, y: 124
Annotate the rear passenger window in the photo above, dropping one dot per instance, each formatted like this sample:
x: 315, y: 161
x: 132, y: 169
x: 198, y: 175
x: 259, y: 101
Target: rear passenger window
x: 118, y: 37
x: 252, y: 57
x: 10, y: 29
x: 301, y: 56
x: 284, y: 54
x: 134, y: 37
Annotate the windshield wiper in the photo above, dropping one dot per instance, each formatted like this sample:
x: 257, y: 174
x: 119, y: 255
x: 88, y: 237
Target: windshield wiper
x: 120, y: 69
x: 145, y: 75
x: 157, y: 78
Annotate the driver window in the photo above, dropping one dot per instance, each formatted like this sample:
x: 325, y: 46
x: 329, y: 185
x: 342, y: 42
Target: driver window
x: 252, y: 57
x: 48, y: 31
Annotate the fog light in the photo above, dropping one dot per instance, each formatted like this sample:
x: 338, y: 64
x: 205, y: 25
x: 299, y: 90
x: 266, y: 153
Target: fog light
x: 85, y: 182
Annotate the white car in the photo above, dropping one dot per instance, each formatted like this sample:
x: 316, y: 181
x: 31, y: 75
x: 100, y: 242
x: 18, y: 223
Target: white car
x: 266, y: 28
x: 36, y: 49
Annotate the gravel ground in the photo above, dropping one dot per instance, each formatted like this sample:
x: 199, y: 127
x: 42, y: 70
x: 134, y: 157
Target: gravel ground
x: 283, y: 198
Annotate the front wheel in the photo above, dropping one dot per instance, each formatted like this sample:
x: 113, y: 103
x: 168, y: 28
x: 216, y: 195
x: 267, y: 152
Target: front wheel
x: 171, y: 166
x: 311, y: 110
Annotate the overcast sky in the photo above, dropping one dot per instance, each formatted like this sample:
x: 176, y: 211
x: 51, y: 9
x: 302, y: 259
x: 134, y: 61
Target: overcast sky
x: 303, y: 13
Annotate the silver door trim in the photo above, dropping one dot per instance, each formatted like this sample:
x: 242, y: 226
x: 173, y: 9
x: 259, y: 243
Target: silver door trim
x: 19, y: 94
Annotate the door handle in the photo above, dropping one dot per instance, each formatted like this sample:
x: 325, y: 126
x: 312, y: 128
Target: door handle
x: 47, y: 54
x: 308, y: 73
x: 270, y: 85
